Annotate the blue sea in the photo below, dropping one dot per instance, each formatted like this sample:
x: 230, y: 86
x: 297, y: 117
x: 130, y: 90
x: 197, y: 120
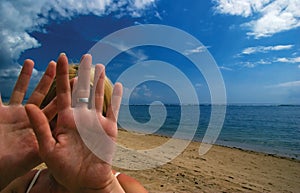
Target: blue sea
x: 271, y: 129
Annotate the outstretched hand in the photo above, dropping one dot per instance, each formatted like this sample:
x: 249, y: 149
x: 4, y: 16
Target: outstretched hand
x: 18, y: 144
x: 64, y: 151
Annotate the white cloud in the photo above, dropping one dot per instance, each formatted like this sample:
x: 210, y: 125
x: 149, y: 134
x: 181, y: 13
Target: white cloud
x: 288, y: 60
x: 195, y: 50
x: 263, y: 49
x: 249, y: 50
x: 138, y: 54
x: 244, y: 8
x: 282, y: 60
x: 262, y: 61
x: 270, y: 16
x: 248, y: 64
x: 10, y: 72
x: 158, y: 16
x: 19, y: 17
x: 139, y: 92
x: 13, y: 73
x: 287, y: 84
x: 133, y: 8
x: 9, y: 76
x: 140, y: 4
x: 225, y: 68
x: 253, y: 64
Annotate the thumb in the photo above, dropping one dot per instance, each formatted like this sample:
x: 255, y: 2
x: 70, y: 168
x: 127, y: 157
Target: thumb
x: 41, y: 128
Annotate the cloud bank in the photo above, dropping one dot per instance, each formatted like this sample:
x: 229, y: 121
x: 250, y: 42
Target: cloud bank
x: 269, y: 17
x: 264, y: 49
x: 20, y: 17
x: 289, y: 60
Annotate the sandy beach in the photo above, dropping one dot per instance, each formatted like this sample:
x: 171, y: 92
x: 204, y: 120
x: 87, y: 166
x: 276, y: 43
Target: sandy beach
x: 222, y: 169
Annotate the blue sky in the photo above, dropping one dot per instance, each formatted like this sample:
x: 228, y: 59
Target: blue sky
x: 255, y: 44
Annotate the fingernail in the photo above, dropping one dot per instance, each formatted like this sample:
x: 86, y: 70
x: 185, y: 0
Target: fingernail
x: 82, y: 57
x: 62, y: 54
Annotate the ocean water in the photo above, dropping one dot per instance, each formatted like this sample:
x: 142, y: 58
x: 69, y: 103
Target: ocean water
x: 272, y: 129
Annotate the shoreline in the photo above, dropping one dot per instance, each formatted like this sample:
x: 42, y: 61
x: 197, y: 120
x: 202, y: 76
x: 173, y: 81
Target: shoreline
x: 295, y: 158
x: 260, y: 153
x: 222, y: 169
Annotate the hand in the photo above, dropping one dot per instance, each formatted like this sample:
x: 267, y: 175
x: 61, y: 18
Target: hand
x: 69, y: 160
x: 18, y: 144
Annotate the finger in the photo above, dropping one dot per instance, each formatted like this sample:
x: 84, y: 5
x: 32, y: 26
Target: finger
x: 73, y: 84
x: 41, y: 129
x: 44, y: 85
x: 22, y: 83
x: 114, y: 107
x: 98, y: 88
x: 63, y: 91
x: 82, y: 88
x: 51, y: 109
x: 1, y: 100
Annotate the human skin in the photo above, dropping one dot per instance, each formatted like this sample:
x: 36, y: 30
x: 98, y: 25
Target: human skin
x: 68, y: 159
x: 47, y: 184
x: 18, y: 144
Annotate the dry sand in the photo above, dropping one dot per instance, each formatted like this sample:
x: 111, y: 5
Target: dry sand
x: 222, y: 169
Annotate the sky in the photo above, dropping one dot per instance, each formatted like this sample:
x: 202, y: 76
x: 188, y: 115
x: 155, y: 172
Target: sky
x: 255, y: 43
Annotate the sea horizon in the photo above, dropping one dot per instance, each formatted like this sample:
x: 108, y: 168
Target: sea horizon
x: 5, y: 99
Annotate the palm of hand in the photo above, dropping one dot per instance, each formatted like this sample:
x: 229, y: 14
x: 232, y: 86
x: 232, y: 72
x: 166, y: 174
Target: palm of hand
x: 18, y: 144
x: 72, y: 163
